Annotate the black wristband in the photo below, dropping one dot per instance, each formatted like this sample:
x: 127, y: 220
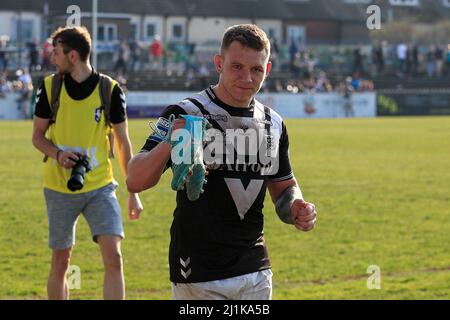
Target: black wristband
x: 57, y: 155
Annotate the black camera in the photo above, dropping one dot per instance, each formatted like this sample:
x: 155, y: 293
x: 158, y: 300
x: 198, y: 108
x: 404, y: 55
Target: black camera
x: 82, y: 166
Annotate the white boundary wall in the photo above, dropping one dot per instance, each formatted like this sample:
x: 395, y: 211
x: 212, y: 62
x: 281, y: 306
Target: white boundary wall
x: 321, y: 105
x: 9, y: 107
x: 150, y: 104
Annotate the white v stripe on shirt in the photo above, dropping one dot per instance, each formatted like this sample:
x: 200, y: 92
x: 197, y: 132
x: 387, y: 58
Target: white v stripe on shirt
x: 243, y: 198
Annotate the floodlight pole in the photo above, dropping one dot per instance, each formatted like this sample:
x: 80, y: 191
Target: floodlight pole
x: 94, y: 32
x: 20, y: 33
x: 390, y: 15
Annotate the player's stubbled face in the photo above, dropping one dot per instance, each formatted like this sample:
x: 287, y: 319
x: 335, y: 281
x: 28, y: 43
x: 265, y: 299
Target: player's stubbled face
x: 60, y: 60
x: 243, y: 71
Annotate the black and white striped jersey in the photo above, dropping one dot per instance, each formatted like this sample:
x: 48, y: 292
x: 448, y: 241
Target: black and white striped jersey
x: 221, y: 234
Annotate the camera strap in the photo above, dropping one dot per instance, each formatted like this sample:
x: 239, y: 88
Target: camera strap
x: 57, y: 81
x: 105, y: 91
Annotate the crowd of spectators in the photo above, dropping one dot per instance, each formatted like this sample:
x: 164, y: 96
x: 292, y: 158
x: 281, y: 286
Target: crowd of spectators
x: 411, y: 59
x: 22, y: 85
x: 296, y: 68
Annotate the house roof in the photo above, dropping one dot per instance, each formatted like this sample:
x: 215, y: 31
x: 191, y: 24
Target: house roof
x: 269, y: 9
x: 285, y: 10
x: 25, y: 5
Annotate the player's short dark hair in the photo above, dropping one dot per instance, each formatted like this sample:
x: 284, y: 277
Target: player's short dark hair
x: 249, y: 35
x: 74, y: 38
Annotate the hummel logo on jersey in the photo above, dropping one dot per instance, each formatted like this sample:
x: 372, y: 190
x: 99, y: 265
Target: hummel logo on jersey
x: 38, y: 95
x: 185, y: 264
x: 122, y: 97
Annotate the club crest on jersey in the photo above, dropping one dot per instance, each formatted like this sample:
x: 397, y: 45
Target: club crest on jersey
x: 98, y: 114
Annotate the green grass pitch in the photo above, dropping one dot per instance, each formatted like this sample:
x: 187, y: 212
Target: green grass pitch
x: 381, y: 186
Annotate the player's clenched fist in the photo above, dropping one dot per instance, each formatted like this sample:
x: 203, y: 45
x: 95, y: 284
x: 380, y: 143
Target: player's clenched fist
x: 304, y: 215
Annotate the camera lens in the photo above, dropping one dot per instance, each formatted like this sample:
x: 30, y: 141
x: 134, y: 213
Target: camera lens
x: 76, y: 181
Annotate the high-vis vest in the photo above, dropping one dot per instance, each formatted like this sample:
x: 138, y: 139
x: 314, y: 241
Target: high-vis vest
x: 79, y: 127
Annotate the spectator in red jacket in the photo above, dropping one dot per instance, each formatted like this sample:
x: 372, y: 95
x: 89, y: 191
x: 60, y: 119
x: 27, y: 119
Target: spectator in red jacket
x: 156, y: 52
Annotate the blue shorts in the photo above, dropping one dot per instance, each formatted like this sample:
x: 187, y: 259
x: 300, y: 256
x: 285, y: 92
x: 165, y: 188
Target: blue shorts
x: 99, y: 207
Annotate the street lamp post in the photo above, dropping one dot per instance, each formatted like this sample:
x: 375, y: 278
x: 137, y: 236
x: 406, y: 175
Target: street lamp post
x: 94, y: 32
x: 44, y: 33
x: 20, y: 35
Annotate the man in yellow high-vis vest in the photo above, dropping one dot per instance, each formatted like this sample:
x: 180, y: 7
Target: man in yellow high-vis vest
x: 79, y: 126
